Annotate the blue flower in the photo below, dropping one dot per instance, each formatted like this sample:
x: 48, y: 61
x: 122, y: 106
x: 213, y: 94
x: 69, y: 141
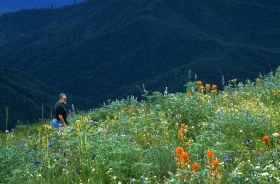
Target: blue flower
x: 159, y: 136
x: 131, y: 176
x: 245, y: 151
x: 147, y: 144
x: 91, y: 122
x: 226, y: 158
x: 50, y: 144
x: 36, y: 162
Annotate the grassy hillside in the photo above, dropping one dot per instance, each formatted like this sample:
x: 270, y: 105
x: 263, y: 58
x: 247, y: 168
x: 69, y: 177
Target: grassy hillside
x: 199, y: 136
x: 104, y: 49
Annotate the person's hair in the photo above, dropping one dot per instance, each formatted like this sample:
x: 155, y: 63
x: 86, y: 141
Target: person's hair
x: 61, y: 95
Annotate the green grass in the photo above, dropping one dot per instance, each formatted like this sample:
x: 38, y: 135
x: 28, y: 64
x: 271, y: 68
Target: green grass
x: 135, y: 142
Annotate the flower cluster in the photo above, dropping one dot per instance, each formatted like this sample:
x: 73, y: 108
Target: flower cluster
x: 183, y: 164
x: 213, y: 165
x: 207, y: 87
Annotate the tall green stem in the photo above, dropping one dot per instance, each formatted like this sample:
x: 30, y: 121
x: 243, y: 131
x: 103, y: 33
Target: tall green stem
x: 7, y: 117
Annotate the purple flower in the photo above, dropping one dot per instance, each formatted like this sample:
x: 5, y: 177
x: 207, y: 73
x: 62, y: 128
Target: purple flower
x: 226, y: 158
x: 91, y: 122
x: 159, y: 136
x: 36, y: 162
x: 50, y: 144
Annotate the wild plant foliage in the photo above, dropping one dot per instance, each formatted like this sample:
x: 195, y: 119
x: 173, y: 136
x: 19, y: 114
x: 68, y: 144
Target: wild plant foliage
x: 209, y: 134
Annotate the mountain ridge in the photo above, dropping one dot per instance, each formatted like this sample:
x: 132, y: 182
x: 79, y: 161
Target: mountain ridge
x: 105, y: 51
x: 17, y: 5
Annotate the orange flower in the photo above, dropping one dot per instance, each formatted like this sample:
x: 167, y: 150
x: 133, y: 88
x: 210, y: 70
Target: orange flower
x: 180, y: 134
x: 187, y: 143
x: 215, y: 163
x: 195, y: 166
x: 201, y: 87
x: 265, y: 138
x: 189, y: 93
x: 179, y: 151
x: 207, y: 86
x: 131, y: 111
x: 185, y: 157
x: 214, y: 86
x: 125, y: 109
x: 132, y: 107
x: 278, y: 133
x: 138, y: 110
x: 214, y: 91
x: 199, y: 83
x: 210, y: 154
x: 183, y: 126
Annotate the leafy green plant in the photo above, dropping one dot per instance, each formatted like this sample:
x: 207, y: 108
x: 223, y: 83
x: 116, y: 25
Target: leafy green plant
x: 201, y: 136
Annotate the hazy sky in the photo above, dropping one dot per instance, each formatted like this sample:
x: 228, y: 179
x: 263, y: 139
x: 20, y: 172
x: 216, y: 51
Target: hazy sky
x: 13, y: 5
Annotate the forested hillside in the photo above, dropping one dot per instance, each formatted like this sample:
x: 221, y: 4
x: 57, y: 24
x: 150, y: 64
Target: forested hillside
x: 101, y: 50
x: 23, y: 95
x: 28, y: 100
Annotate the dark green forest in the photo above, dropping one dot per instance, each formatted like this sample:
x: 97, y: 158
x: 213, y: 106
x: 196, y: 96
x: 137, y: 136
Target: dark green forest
x: 28, y: 99
x: 99, y: 50
x: 24, y: 96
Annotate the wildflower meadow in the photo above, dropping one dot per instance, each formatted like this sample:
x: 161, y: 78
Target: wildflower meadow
x: 207, y: 134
